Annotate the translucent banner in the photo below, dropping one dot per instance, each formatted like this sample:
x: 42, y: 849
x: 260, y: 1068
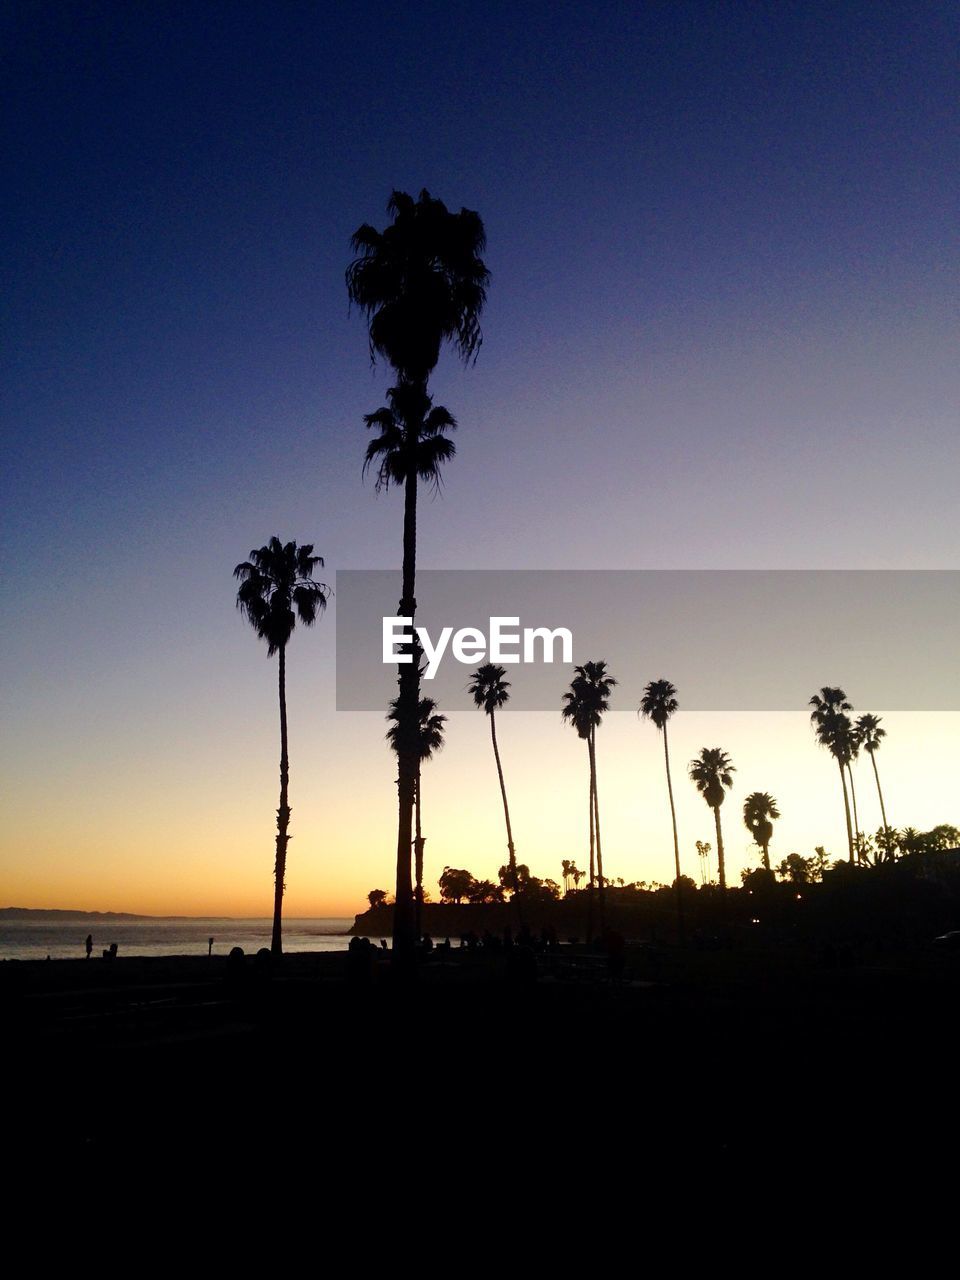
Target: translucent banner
x: 730, y: 640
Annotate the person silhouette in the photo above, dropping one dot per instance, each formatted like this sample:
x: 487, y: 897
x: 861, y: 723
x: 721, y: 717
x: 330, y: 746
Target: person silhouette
x: 89, y: 945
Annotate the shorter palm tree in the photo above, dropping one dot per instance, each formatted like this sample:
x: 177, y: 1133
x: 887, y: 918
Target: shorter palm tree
x: 577, y: 716
x: 759, y: 812
x: 430, y: 729
x: 659, y: 703
x: 584, y: 706
x: 710, y: 772
x: 491, y: 690
x: 276, y: 590
x: 703, y: 853
x: 834, y: 732
x: 871, y: 735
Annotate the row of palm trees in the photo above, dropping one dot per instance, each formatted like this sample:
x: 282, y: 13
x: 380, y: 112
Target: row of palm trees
x: 844, y: 738
x: 277, y: 589
x: 583, y: 707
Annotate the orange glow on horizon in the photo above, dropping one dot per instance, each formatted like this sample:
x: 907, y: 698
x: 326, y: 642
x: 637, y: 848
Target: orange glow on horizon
x: 211, y: 853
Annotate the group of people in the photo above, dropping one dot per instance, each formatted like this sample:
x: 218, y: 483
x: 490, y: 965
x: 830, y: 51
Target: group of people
x: 109, y: 953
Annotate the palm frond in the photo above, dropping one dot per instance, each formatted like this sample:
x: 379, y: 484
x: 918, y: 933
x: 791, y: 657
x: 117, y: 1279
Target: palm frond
x: 659, y: 702
x: 276, y: 587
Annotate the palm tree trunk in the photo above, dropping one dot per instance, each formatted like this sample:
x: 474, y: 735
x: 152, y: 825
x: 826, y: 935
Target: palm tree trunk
x: 766, y: 856
x: 408, y: 753
x: 418, y: 862
x: 593, y: 865
x: 596, y: 817
x: 676, y: 839
x: 283, y: 813
x: 512, y: 859
x: 856, y: 820
x: 883, y: 812
x: 846, y: 810
x: 722, y: 865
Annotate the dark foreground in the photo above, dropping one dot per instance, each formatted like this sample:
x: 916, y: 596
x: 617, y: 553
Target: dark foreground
x: 749, y: 1061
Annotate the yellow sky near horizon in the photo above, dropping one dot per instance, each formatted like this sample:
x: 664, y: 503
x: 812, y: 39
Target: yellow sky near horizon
x: 164, y: 825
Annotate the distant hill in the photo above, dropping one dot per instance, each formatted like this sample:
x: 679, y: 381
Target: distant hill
x: 41, y: 915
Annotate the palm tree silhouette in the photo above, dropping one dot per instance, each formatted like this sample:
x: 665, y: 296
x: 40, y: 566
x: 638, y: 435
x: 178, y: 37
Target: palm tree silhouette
x: 703, y: 853
x: 420, y: 283
x: 870, y: 735
x: 276, y: 589
x: 659, y: 702
x: 490, y: 690
x: 759, y: 811
x: 834, y: 732
x: 853, y: 753
x: 710, y: 772
x: 430, y: 728
x: 584, y: 705
x: 411, y: 445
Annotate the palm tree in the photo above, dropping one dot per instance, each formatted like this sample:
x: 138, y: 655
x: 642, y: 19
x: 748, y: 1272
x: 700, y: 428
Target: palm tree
x: 710, y: 772
x: 659, y: 702
x: 575, y: 712
x: 410, y: 445
x: 431, y: 738
x: 703, y: 853
x: 584, y: 706
x: 276, y: 589
x: 490, y: 690
x: 853, y: 752
x: 420, y: 283
x: 871, y: 735
x: 759, y: 811
x: 834, y: 731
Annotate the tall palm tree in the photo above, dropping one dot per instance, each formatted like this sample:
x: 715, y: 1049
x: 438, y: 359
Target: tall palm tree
x: 584, y: 706
x: 410, y: 445
x: 490, y: 689
x: 832, y: 726
x: 710, y: 772
x: 430, y: 727
x: 871, y: 735
x: 659, y: 702
x: 276, y: 590
x: 759, y: 812
x: 420, y: 283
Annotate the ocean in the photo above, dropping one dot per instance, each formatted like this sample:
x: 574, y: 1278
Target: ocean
x: 25, y: 939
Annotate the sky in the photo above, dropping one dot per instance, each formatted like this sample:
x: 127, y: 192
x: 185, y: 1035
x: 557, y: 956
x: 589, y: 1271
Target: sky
x: 721, y: 333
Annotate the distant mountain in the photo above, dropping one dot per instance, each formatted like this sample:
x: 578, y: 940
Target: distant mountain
x: 29, y: 913
x: 41, y: 915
